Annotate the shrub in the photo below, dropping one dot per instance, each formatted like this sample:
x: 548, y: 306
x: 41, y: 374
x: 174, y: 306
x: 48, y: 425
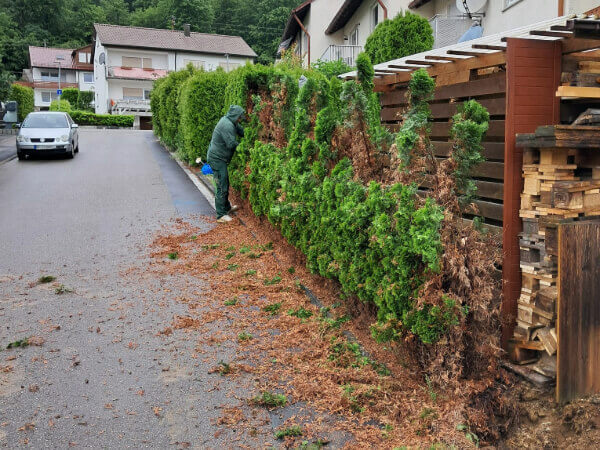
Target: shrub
x: 331, y: 68
x: 200, y: 108
x: 70, y: 95
x: 23, y: 95
x: 84, y: 100
x: 108, y: 120
x: 60, y: 105
x: 404, y: 35
x: 166, y: 106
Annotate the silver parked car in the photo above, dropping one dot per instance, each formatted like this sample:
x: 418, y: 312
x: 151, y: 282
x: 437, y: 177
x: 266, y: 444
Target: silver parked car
x: 47, y: 133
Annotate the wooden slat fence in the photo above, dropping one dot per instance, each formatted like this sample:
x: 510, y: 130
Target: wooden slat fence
x: 491, y: 93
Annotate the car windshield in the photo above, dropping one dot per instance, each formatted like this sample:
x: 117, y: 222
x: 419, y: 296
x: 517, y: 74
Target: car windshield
x: 46, y: 121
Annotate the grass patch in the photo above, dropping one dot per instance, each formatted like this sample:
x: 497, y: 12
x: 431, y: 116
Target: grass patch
x: 233, y: 267
x: 193, y: 237
x: 254, y: 255
x: 210, y: 246
x: 244, y: 250
x: 291, y: 270
x: 224, y: 368
x: 230, y: 255
x: 173, y: 256
x: 293, y: 431
x: 275, y: 280
x: 269, y: 400
x: 250, y: 272
x: 19, y: 343
x: 300, y: 313
x: 46, y: 279
x: 231, y: 302
x: 244, y: 336
x: 273, y: 308
x: 62, y: 289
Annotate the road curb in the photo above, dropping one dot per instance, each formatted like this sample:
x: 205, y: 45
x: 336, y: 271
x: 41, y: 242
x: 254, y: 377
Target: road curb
x: 200, y: 184
x: 10, y: 158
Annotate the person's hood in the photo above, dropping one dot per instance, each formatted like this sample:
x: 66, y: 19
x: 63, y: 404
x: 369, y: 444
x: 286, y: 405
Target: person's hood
x: 234, y: 113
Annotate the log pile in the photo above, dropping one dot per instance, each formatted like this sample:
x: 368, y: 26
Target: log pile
x: 561, y: 174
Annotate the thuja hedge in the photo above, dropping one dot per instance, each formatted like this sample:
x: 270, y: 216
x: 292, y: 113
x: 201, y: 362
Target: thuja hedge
x: 379, y: 241
x: 23, y: 95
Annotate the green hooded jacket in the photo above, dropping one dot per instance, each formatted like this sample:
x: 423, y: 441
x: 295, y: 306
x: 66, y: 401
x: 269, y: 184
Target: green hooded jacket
x: 224, y: 138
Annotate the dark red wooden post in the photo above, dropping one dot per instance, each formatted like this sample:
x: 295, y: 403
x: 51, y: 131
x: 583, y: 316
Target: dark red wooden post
x: 533, y: 70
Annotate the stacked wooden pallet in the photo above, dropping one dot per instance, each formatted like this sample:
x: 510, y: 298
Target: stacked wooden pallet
x: 561, y: 174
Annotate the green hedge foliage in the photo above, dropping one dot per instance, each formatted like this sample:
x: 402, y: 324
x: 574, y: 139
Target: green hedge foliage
x: 164, y: 103
x: 379, y: 241
x: 71, y: 95
x: 107, y: 120
x: 23, y: 95
x: 404, y: 35
x: 84, y: 100
x: 60, y: 105
x: 200, y: 108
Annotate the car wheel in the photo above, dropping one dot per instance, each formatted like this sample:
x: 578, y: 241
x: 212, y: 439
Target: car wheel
x: 71, y: 154
x: 77, y: 149
x: 21, y: 156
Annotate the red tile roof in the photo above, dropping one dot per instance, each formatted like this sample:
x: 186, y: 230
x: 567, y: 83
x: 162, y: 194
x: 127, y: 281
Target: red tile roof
x: 153, y: 38
x: 46, y: 57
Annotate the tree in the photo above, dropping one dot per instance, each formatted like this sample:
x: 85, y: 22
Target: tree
x: 404, y: 35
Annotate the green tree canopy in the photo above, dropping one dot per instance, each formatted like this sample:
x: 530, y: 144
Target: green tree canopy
x: 404, y: 35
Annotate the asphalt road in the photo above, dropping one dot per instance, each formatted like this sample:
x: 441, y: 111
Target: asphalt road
x: 104, y: 377
x: 8, y: 147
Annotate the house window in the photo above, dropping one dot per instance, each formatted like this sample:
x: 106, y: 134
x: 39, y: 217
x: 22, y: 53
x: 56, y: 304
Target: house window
x: 305, y: 42
x: 147, y: 94
x: 84, y: 57
x: 229, y: 66
x: 198, y: 64
x: 354, y: 37
x: 50, y: 75
x: 509, y: 3
x: 88, y: 77
x: 147, y: 63
x: 374, y: 17
x: 48, y: 96
x: 129, y: 61
x: 133, y: 94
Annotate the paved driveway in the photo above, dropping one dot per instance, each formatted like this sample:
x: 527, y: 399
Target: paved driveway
x: 104, y: 377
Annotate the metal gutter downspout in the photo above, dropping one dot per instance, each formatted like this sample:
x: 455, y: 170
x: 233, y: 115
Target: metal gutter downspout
x: 385, y: 12
x: 307, y: 34
x: 561, y: 8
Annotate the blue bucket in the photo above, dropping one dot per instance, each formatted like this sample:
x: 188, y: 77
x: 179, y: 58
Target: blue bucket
x: 206, y: 169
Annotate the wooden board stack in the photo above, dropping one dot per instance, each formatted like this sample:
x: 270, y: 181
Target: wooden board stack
x: 561, y: 174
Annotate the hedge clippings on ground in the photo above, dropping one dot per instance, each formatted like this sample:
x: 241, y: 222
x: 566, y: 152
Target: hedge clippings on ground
x: 316, y: 162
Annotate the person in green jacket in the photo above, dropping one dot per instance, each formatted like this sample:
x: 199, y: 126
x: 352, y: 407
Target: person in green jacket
x: 221, y: 150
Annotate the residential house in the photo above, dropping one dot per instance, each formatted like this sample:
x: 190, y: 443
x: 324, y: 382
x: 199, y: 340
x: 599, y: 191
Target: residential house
x: 338, y: 29
x: 76, y: 71
x: 449, y: 22
x: 127, y: 60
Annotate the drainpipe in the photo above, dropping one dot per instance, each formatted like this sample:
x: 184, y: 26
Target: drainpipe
x: 307, y: 34
x: 385, y: 13
x: 561, y: 8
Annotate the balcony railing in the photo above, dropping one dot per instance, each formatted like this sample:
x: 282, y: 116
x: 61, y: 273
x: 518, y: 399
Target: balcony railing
x: 132, y: 106
x: 447, y: 30
x: 346, y: 53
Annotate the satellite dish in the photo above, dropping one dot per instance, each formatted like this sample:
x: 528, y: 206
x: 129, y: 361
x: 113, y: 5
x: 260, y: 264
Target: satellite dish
x: 472, y: 6
x: 101, y: 58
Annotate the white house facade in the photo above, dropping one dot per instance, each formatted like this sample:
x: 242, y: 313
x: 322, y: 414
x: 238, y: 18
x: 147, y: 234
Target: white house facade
x: 338, y: 29
x: 495, y: 16
x: 127, y: 60
x: 43, y: 74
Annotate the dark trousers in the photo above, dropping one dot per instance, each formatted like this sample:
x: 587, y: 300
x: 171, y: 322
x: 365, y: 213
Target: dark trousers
x: 221, y: 175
